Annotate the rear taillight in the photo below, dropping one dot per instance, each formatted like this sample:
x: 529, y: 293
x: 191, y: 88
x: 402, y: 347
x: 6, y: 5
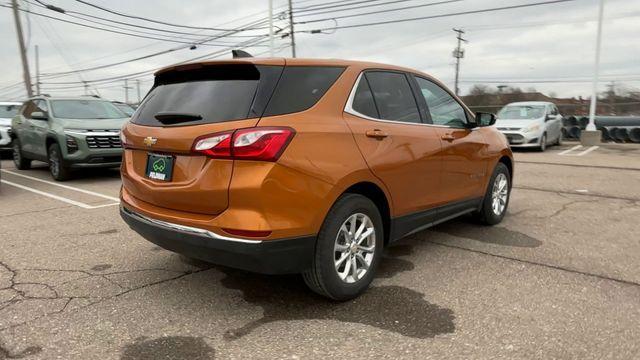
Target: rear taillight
x: 259, y: 143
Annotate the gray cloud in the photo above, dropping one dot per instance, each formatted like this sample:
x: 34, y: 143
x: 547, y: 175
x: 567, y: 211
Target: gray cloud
x: 552, y: 42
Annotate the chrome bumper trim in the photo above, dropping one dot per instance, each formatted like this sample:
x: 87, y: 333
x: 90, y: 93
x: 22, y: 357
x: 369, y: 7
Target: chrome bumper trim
x: 188, y: 229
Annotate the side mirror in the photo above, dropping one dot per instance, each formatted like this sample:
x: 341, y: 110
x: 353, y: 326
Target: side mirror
x: 550, y: 117
x: 39, y: 115
x: 484, y: 119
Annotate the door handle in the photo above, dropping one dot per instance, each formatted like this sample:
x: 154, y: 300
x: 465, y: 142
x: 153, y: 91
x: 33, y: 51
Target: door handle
x: 448, y: 137
x: 377, y: 134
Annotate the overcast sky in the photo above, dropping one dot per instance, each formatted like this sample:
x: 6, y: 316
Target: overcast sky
x: 554, y: 43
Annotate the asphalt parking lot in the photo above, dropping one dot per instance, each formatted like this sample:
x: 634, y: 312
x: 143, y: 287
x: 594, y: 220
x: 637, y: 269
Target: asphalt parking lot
x: 559, y: 278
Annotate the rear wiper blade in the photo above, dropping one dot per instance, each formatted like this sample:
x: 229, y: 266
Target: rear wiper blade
x: 170, y: 117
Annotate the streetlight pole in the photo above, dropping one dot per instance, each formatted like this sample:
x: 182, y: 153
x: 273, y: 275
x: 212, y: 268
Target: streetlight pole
x: 596, y: 72
x: 592, y: 136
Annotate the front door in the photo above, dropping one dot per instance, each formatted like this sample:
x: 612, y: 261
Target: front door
x: 398, y: 147
x: 464, y: 150
x: 38, y: 129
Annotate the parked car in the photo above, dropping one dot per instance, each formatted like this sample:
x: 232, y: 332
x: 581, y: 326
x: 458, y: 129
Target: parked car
x: 124, y: 107
x: 67, y: 133
x: 7, y: 111
x: 531, y: 124
x: 305, y: 166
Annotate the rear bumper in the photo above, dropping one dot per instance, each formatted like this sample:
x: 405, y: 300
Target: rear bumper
x: 283, y: 256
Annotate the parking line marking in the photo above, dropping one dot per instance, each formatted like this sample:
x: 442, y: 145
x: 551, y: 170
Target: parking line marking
x: 64, y: 186
x: 588, y: 150
x: 570, y: 150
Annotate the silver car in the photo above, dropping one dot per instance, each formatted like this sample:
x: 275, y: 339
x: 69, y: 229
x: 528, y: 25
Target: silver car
x: 534, y: 124
x: 7, y: 111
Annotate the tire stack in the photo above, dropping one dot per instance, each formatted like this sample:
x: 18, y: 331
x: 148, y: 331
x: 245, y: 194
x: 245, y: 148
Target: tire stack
x: 614, y: 128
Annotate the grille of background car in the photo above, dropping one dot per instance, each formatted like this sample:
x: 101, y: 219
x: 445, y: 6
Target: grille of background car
x: 508, y: 129
x: 103, y: 142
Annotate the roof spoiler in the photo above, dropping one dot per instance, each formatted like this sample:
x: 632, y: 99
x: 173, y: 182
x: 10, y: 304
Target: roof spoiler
x: 240, y: 54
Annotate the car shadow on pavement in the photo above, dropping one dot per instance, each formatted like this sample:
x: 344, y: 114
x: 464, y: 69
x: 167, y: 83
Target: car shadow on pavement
x: 393, y: 308
x: 488, y: 234
x: 168, y: 347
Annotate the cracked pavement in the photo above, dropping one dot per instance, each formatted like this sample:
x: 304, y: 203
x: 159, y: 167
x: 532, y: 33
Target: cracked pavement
x: 559, y: 278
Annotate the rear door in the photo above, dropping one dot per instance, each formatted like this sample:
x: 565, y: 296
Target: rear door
x: 185, y: 104
x: 38, y: 129
x: 464, y: 162
x: 398, y: 147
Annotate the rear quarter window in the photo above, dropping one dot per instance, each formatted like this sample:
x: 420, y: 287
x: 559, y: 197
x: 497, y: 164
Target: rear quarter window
x: 300, y: 87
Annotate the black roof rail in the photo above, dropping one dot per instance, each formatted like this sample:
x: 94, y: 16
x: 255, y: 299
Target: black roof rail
x: 240, y: 54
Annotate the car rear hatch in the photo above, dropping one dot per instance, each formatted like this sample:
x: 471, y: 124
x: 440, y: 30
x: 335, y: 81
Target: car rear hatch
x: 186, y: 103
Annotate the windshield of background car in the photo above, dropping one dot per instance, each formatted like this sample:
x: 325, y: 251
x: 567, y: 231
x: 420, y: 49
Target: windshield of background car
x: 85, y: 109
x: 8, y: 111
x: 521, y: 112
x: 125, y: 109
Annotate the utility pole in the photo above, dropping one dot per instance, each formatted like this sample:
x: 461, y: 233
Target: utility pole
x: 271, y: 52
x: 458, y: 54
x: 138, y: 88
x: 291, y: 32
x: 37, y: 71
x: 126, y: 91
x: 23, y: 50
x: 611, y: 94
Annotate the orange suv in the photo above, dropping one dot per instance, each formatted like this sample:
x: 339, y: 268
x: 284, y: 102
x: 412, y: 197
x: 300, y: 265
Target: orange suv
x: 305, y: 166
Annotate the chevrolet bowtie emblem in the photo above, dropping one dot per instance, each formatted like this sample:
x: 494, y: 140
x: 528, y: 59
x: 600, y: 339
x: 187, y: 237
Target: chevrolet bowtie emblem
x: 149, y: 141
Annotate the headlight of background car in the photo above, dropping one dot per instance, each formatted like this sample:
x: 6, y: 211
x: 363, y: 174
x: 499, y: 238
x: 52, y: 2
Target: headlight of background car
x: 532, y: 128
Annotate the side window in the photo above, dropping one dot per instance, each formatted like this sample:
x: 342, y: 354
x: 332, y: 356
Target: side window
x: 41, y: 106
x: 393, y: 96
x: 28, y: 108
x: 300, y: 87
x: 444, y: 109
x: 363, y: 100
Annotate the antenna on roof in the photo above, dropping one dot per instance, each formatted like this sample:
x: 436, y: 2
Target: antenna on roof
x: 240, y: 54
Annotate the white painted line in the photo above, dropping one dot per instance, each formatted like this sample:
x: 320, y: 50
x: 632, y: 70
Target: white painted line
x: 63, y: 186
x: 587, y: 151
x: 570, y: 150
x: 56, y: 197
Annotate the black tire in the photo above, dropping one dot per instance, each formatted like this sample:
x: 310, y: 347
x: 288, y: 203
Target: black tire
x: 19, y: 160
x: 486, y: 215
x: 559, y: 141
x: 323, y: 276
x: 58, y: 170
x: 543, y: 143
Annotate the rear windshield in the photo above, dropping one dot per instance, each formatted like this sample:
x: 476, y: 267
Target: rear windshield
x: 8, y: 111
x: 213, y: 94
x: 85, y: 109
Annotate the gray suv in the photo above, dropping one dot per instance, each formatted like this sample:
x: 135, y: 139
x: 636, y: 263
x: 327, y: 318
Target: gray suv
x: 67, y: 133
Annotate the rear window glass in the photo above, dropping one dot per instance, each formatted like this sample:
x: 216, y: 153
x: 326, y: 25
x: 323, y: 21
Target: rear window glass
x: 363, y: 100
x: 300, y: 87
x: 208, y: 94
x: 393, y: 96
x: 85, y: 109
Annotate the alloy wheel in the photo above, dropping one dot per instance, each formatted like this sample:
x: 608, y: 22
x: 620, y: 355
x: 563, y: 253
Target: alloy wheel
x: 354, y: 248
x: 500, y: 194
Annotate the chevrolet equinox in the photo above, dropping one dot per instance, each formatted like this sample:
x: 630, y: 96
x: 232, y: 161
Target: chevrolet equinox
x: 305, y: 166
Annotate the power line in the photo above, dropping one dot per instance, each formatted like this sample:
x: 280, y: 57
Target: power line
x: 379, y: 11
x: 80, y: 15
x: 119, y: 32
x: 344, y: 3
x: 149, y: 20
x: 437, y: 16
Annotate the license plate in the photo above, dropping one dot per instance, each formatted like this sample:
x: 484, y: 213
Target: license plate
x: 159, y: 167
